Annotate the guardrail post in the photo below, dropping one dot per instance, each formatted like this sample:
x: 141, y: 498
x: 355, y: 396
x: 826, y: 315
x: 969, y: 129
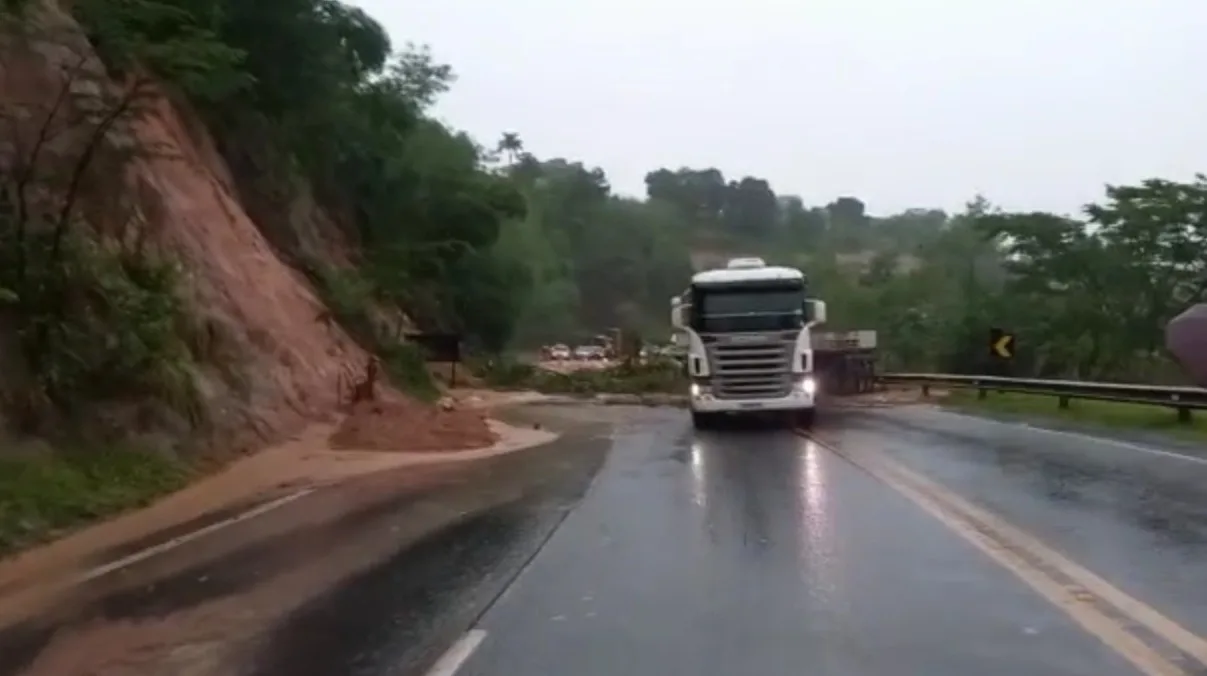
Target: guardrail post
x: 925, y: 390
x: 1184, y: 415
x: 981, y: 393
x: 1064, y: 402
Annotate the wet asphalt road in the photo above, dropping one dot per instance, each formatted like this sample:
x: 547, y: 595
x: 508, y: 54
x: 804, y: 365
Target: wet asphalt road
x: 760, y: 553
x: 1132, y: 509
x: 636, y: 546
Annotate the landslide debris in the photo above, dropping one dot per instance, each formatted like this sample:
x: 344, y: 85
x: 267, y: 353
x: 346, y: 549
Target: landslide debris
x: 399, y: 424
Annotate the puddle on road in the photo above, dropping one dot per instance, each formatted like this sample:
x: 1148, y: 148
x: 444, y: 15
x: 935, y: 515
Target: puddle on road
x: 392, y: 614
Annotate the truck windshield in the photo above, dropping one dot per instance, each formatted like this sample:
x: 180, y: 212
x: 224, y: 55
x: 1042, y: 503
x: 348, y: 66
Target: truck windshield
x: 731, y: 310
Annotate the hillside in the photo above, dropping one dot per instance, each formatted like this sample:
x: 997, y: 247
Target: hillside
x: 193, y: 267
x: 252, y: 365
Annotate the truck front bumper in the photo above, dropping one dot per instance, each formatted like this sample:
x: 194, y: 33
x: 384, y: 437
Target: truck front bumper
x: 706, y: 403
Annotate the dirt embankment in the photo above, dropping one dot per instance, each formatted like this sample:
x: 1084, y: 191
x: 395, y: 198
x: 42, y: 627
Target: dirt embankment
x: 274, y: 364
x: 397, y: 424
x: 267, y: 313
x: 275, y: 356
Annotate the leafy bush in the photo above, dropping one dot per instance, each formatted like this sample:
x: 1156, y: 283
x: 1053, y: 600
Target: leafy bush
x: 45, y: 492
x: 349, y: 297
x: 405, y: 365
x: 505, y: 373
x: 92, y: 323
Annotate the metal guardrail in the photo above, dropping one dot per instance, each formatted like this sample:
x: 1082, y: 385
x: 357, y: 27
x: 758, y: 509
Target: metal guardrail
x: 1182, y: 399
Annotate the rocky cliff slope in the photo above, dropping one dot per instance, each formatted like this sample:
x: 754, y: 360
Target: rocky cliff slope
x: 264, y: 355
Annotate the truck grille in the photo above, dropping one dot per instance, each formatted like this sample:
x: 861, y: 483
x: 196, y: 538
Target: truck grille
x: 750, y: 366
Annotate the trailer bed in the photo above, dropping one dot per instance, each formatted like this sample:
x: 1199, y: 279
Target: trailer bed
x: 845, y: 361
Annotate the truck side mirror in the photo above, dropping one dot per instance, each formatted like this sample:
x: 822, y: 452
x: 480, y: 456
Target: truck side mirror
x: 815, y: 310
x: 679, y: 311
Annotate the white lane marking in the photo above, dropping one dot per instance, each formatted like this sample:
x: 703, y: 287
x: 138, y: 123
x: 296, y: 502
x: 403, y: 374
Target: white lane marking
x: 175, y: 542
x: 1088, y: 437
x: 458, y: 654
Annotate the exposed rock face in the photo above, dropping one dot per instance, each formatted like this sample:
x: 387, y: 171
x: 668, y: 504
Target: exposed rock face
x: 267, y: 309
x: 272, y: 329
x: 271, y: 356
x: 1186, y: 338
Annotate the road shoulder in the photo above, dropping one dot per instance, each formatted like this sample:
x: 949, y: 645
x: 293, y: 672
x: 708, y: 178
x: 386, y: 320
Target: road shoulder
x: 228, y: 602
x: 245, y: 489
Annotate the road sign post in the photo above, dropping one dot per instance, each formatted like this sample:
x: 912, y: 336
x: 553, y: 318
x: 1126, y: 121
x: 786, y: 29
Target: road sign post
x: 438, y: 348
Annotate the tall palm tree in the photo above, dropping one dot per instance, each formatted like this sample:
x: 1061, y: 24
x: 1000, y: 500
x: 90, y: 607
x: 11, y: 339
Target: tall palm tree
x: 511, y: 145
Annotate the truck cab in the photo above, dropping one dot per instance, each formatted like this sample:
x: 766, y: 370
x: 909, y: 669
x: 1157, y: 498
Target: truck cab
x: 747, y: 332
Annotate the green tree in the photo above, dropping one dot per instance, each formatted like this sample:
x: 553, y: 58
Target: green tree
x: 511, y: 146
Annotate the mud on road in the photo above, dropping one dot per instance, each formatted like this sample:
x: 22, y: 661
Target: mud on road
x: 219, y: 604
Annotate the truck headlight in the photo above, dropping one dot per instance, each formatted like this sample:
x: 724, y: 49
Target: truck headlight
x: 699, y: 389
x: 807, y: 385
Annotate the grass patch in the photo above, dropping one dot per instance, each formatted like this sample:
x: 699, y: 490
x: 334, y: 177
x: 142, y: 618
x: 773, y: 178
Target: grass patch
x: 405, y: 365
x: 45, y: 493
x: 1111, y: 414
x: 349, y: 296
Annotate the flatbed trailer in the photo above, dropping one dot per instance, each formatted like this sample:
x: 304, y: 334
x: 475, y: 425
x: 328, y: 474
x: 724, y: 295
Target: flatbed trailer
x: 845, y: 361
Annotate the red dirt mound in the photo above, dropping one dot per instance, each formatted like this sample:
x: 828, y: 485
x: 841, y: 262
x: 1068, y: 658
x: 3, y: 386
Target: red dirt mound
x: 411, y: 426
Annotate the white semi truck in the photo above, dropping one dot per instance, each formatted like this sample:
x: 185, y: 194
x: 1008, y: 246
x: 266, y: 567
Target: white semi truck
x: 751, y: 347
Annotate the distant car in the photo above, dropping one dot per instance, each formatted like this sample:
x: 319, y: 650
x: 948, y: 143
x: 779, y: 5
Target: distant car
x: 559, y: 352
x: 596, y: 353
x: 590, y: 353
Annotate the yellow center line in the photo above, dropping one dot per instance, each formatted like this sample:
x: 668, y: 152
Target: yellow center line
x: 1024, y: 555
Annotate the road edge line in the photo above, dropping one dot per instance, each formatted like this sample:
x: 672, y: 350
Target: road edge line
x: 1000, y: 542
x: 458, y: 653
x: 1091, y: 437
x: 173, y: 543
x: 505, y: 585
x: 466, y: 458
x: 1164, y: 627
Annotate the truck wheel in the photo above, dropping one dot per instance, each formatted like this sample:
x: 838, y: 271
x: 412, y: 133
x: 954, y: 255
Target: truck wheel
x: 805, y: 417
x: 703, y: 421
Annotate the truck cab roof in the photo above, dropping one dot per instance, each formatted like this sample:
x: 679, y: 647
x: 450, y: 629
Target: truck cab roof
x: 766, y: 273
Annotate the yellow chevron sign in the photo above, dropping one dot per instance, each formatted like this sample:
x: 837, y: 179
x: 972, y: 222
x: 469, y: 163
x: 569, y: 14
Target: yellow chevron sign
x: 1001, y: 344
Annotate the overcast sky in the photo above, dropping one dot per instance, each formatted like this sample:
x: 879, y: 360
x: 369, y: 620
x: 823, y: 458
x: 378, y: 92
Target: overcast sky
x: 902, y: 103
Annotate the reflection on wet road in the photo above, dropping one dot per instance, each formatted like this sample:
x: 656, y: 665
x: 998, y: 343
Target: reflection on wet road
x: 760, y: 552
x: 896, y: 541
